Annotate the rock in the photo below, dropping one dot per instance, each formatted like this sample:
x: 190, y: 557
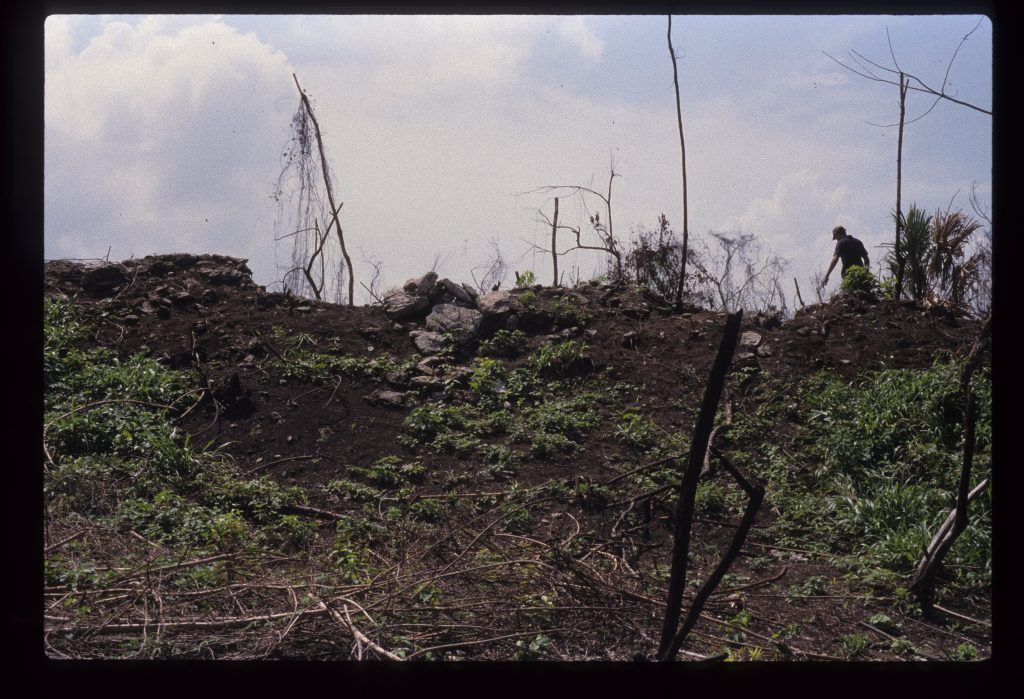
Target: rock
x: 421, y: 286
x: 386, y: 398
x: 399, y: 305
x: 427, y: 364
x: 428, y: 382
x: 427, y: 342
x: 495, y: 304
x: 462, y: 323
x: 101, y: 278
x: 764, y: 351
x: 396, y: 379
x: 458, y: 292
x: 750, y: 339
x: 473, y: 293
x: 631, y: 339
x: 637, y: 312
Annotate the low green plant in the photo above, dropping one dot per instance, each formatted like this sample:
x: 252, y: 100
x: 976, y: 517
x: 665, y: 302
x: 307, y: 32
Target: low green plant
x: 901, y: 646
x: 389, y: 472
x: 635, y: 431
x: 426, y: 510
x: 860, y: 279
x: 965, y: 652
x: 532, y: 649
x: 525, y: 279
x: 559, y: 357
x: 568, y: 315
x: 855, y: 644
x: 504, y: 343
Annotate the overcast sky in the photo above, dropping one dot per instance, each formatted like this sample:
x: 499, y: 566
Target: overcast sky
x: 165, y: 133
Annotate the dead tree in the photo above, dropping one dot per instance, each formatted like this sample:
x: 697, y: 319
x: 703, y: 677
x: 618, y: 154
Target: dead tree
x: 871, y: 70
x: 905, y: 81
x: 899, y: 189
x: 493, y: 272
x: 554, y: 245
x: 316, y: 257
x: 672, y: 635
x: 734, y: 275
x: 682, y: 152
x: 604, y: 229
x: 923, y: 585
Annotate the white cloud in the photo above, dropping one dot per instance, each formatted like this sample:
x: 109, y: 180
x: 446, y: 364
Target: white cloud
x: 574, y: 30
x: 171, y: 122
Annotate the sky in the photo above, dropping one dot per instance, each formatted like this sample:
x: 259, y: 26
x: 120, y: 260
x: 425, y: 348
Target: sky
x: 166, y: 133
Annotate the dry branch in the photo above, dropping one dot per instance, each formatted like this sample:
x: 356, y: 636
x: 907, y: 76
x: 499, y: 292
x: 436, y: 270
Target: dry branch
x: 756, y: 494
x: 359, y: 636
x: 688, y: 488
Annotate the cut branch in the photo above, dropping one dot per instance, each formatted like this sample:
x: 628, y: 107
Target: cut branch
x: 688, y: 488
x: 756, y: 495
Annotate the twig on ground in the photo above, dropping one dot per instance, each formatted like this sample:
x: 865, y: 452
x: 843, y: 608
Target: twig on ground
x: 482, y: 641
x: 963, y: 617
x: 278, y: 461
x: 73, y: 537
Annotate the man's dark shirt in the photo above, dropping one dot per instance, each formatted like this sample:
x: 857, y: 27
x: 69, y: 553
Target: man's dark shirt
x: 851, y: 251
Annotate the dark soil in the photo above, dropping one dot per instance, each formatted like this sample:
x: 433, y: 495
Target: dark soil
x: 205, y: 315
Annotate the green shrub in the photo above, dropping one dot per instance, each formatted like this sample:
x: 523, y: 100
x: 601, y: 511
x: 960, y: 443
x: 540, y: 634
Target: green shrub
x: 859, y: 278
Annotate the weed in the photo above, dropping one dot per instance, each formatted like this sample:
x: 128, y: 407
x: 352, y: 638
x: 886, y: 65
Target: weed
x: 964, y: 652
x: 635, y: 431
x: 859, y: 278
x: 532, y: 649
x: 389, y: 473
x: 854, y: 644
x: 559, y: 357
x: 426, y: 510
x: 901, y: 646
x: 525, y: 279
x: 503, y: 343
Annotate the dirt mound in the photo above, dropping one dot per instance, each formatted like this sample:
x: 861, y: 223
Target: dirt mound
x: 203, y: 312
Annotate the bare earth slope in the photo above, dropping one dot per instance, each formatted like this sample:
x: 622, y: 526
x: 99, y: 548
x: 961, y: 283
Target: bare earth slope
x: 277, y: 416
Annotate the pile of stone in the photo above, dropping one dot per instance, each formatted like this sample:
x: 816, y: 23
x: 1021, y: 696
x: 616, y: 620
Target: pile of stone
x: 447, y: 308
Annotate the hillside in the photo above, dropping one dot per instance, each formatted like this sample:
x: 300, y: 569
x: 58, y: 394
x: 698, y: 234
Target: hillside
x: 461, y: 476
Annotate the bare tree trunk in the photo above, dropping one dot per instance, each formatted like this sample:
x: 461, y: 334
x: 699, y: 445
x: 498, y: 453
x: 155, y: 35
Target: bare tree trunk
x: 682, y: 150
x: 798, y: 296
x: 688, y: 487
x: 899, y: 187
x: 554, y: 247
x: 330, y: 192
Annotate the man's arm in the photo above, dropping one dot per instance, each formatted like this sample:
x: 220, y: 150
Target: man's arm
x: 831, y: 266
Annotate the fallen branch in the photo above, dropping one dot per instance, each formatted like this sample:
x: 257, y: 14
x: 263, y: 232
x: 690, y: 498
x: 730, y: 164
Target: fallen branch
x: 360, y: 637
x: 278, y: 461
x: 76, y: 535
x: 485, y: 640
x: 962, y: 617
x: 227, y: 623
x: 310, y: 511
x: 757, y: 583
